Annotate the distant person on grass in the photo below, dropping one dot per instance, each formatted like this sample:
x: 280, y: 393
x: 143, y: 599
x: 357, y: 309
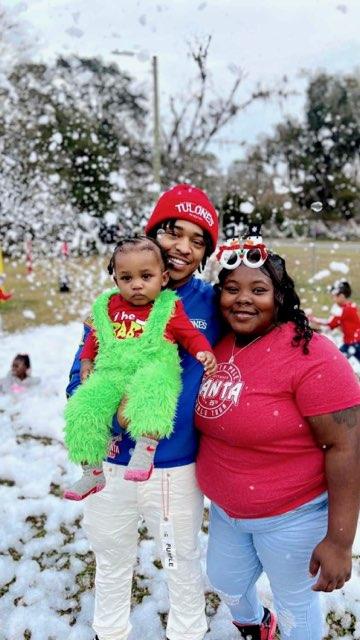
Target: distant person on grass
x: 19, y: 377
x: 185, y: 224
x: 133, y: 347
x: 348, y: 319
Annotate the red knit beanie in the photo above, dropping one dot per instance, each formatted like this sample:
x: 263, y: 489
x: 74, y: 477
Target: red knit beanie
x: 185, y: 202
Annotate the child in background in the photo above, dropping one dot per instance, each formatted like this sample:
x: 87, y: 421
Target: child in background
x: 145, y: 370
x: 348, y: 320
x: 19, y: 377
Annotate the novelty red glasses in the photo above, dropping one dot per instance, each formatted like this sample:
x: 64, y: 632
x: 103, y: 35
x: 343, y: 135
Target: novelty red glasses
x: 234, y: 252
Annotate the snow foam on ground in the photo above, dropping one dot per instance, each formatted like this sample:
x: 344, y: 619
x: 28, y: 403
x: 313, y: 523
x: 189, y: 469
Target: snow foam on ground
x: 46, y: 566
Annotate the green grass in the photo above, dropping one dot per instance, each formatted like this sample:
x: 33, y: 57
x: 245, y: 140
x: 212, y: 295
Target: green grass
x: 305, y: 260
x: 38, y: 293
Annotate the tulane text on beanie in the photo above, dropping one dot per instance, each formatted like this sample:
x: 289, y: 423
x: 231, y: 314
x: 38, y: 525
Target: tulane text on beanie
x: 186, y: 202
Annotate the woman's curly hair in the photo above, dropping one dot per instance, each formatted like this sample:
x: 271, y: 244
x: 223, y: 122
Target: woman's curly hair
x: 286, y: 299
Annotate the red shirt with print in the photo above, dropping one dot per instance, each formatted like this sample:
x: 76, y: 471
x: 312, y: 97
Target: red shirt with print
x: 129, y: 320
x: 258, y: 457
x: 349, y: 322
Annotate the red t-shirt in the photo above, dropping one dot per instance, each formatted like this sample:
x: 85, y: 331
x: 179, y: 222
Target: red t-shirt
x: 257, y: 455
x: 349, y: 322
x: 129, y: 320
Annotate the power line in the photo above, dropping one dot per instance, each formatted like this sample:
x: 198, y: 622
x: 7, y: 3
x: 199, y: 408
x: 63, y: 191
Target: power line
x: 226, y: 141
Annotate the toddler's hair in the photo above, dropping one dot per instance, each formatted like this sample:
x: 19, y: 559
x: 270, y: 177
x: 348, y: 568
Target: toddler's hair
x: 341, y: 286
x: 133, y: 243
x: 24, y: 358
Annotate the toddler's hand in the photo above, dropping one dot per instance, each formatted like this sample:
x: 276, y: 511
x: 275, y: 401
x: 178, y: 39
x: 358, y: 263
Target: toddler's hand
x: 208, y: 361
x: 86, y: 368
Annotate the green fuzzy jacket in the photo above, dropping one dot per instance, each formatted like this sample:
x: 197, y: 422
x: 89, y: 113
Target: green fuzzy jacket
x: 145, y: 369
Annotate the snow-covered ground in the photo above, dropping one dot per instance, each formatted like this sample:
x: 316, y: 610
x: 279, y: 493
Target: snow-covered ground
x: 46, y: 567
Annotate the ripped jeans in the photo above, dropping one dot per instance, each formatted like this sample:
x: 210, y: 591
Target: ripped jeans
x: 240, y: 550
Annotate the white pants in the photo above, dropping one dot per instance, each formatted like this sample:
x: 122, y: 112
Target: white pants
x: 111, y: 521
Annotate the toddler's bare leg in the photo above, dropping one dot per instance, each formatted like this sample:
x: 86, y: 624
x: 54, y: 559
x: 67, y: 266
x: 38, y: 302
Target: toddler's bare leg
x: 122, y: 420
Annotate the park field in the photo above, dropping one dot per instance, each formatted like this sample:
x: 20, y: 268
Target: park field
x: 36, y: 298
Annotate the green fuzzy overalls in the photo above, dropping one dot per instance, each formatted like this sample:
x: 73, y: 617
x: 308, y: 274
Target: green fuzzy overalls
x: 145, y: 369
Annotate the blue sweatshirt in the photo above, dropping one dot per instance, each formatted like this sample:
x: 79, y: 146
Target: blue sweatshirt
x: 180, y: 449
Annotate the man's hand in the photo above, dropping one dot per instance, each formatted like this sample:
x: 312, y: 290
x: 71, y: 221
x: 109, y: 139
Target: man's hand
x: 208, y: 361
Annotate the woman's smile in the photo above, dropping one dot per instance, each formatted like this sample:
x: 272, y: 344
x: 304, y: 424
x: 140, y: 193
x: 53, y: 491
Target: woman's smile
x: 243, y: 314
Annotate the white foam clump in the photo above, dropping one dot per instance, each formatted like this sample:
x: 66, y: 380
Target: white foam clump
x: 29, y: 314
x: 339, y: 266
x: 320, y: 275
x: 246, y: 207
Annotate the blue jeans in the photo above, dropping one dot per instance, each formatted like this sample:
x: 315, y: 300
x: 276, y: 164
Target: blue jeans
x: 351, y: 350
x: 240, y: 550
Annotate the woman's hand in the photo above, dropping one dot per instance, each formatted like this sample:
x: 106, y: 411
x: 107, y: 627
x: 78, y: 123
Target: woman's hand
x: 122, y: 420
x: 334, y: 563
x: 338, y: 434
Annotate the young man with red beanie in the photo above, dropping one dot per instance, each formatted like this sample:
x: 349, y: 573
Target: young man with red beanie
x: 185, y: 223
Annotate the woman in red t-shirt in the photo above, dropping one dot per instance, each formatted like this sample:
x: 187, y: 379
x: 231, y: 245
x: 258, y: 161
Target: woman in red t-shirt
x: 279, y: 454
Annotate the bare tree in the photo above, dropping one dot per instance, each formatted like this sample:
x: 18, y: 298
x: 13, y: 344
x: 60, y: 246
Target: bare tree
x: 197, y: 119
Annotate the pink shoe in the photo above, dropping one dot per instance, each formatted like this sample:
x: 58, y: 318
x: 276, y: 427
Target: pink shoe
x: 92, y: 481
x: 264, y: 631
x: 138, y: 475
x: 141, y: 462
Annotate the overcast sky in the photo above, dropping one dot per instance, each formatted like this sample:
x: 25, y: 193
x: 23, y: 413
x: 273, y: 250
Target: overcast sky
x: 267, y: 38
